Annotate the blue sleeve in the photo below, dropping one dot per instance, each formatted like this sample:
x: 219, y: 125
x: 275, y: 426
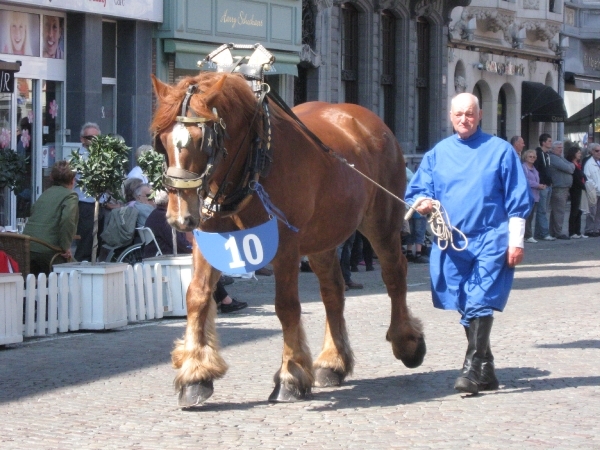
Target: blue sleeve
x: 422, y: 184
x: 518, y: 199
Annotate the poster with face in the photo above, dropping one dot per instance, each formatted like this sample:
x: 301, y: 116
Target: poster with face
x: 52, y: 37
x: 20, y: 33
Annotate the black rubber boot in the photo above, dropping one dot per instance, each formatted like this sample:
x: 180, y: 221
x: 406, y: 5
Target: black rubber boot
x: 478, y: 368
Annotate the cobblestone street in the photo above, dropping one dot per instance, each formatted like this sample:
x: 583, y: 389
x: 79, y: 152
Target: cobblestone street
x: 113, y: 390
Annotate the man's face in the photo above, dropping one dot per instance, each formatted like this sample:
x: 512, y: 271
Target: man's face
x: 558, y: 150
x: 465, y: 116
x: 547, y: 144
x: 596, y: 153
x: 519, y: 145
x: 88, y: 135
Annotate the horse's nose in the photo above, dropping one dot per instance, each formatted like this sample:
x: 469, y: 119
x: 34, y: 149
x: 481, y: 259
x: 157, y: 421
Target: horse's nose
x: 185, y: 222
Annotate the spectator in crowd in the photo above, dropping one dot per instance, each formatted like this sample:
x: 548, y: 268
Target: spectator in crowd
x: 479, y: 181
x: 54, y: 219
x: 518, y: 144
x: 137, y: 172
x: 157, y: 222
x: 143, y: 202
x: 533, y: 179
x: 592, y: 172
x: 85, y: 226
x: 542, y: 163
x: 415, y: 240
x: 561, y: 172
x: 345, y: 250
x: 573, y: 155
x: 362, y: 252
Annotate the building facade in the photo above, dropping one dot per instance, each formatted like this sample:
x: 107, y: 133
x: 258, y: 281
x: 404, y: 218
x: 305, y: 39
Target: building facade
x: 508, y: 53
x: 79, y: 62
x: 582, y: 70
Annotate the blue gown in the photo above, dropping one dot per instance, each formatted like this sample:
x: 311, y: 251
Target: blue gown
x: 481, y: 184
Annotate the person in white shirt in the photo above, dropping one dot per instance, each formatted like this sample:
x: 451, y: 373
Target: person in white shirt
x: 592, y: 172
x: 137, y: 172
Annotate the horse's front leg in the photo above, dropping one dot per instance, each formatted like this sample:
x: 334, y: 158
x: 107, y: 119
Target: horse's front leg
x: 197, y: 354
x: 336, y: 360
x: 294, y: 379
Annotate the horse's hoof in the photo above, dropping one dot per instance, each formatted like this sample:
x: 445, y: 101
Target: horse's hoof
x: 325, y: 377
x: 417, y: 359
x: 288, y: 394
x: 194, y: 394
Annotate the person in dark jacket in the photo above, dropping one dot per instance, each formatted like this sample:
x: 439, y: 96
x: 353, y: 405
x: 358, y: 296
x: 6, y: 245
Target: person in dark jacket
x: 157, y: 222
x: 542, y: 163
x: 573, y: 155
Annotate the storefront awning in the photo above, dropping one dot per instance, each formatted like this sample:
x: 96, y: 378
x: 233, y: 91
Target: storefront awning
x: 541, y: 103
x: 187, y: 55
x: 583, y: 82
x: 581, y: 120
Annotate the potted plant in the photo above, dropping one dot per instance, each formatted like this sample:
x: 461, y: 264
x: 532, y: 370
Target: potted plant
x: 103, y: 290
x: 13, y: 171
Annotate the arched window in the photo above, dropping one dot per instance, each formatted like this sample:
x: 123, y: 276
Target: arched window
x: 501, y: 115
x: 477, y: 93
x: 349, y: 38
x: 388, y: 68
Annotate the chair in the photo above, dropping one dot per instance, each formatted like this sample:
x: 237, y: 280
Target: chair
x: 147, y: 237
x: 18, y: 245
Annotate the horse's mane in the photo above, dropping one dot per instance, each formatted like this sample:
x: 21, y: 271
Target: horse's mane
x: 229, y: 93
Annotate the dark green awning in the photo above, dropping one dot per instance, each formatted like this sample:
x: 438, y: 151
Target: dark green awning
x: 541, y: 103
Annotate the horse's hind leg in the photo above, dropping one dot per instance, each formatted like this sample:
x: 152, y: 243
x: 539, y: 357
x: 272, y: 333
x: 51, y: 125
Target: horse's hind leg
x: 405, y: 332
x: 294, y: 379
x: 336, y: 360
x: 197, y: 354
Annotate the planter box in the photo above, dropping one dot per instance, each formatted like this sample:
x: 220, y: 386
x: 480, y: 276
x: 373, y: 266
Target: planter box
x: 11, y: 308
x: 103, y: 300
x: 178, y: 271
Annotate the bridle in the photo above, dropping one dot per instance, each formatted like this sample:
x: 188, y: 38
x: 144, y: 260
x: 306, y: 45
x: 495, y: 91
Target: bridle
x: 212, y: 145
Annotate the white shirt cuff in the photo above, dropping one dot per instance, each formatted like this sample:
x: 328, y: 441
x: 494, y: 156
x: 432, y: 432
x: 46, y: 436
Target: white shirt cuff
x: 516, y: 232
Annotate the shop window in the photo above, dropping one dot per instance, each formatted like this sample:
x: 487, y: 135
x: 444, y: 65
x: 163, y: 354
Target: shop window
x: 388, y: 68
x: 25, y: 142
x: 52, y: 113
x: 349, y: 41
x: 5, y: 142
x: 109, y: 50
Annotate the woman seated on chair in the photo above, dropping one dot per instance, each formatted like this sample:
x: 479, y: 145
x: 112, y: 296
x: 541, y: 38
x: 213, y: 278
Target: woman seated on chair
x: 54, y: 219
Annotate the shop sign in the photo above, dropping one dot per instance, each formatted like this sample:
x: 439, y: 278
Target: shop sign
x: 7, y: 81
x: 503, y: 68
x: 242, y: 18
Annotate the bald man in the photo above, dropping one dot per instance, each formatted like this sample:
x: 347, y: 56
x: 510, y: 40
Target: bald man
x: 479, y: 180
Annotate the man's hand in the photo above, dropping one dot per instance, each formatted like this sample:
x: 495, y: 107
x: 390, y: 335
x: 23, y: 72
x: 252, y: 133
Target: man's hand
x: 514, y: 256
x: 424, y: 207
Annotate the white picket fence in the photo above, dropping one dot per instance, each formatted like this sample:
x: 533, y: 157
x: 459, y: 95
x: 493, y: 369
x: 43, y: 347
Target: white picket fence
x: 51, y: 305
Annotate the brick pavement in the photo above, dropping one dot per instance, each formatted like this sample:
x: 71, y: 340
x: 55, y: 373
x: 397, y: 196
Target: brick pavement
x: 114, y: 389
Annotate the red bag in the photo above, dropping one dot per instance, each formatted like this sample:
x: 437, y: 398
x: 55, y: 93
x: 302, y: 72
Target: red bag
x: 7, y: 264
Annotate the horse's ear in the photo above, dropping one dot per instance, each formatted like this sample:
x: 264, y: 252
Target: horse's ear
x: 161, y: 89
x: 216, y: 90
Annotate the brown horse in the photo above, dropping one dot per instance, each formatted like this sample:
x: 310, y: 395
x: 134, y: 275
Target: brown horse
x: 319, y: 194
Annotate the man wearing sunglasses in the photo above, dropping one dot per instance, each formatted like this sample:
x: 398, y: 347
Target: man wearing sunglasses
x: 592, y: 172
x: 85, y: 225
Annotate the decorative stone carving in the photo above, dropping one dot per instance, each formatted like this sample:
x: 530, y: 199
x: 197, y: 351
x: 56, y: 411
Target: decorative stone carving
x: 324, y: 4
x: 450, y: 55
x: 532, y: 66
x: 544, y: 31
x: 493, y: 20
x: 381, y: 5
x: 308, y: 55
x: 531, y: 4
x: 460, y: 84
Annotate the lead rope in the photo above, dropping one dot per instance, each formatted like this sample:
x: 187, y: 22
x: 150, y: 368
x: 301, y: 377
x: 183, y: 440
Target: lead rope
x: 438, y: 219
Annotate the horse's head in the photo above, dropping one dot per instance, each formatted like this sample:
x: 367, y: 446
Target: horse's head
x: 190, y: 125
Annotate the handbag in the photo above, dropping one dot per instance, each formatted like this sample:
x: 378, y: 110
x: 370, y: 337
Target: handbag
x: 590, y: 190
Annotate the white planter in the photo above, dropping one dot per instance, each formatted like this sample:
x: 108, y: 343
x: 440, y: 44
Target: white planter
x: 103, y: 300
x: 11, y: 308
x: 178, y: 271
